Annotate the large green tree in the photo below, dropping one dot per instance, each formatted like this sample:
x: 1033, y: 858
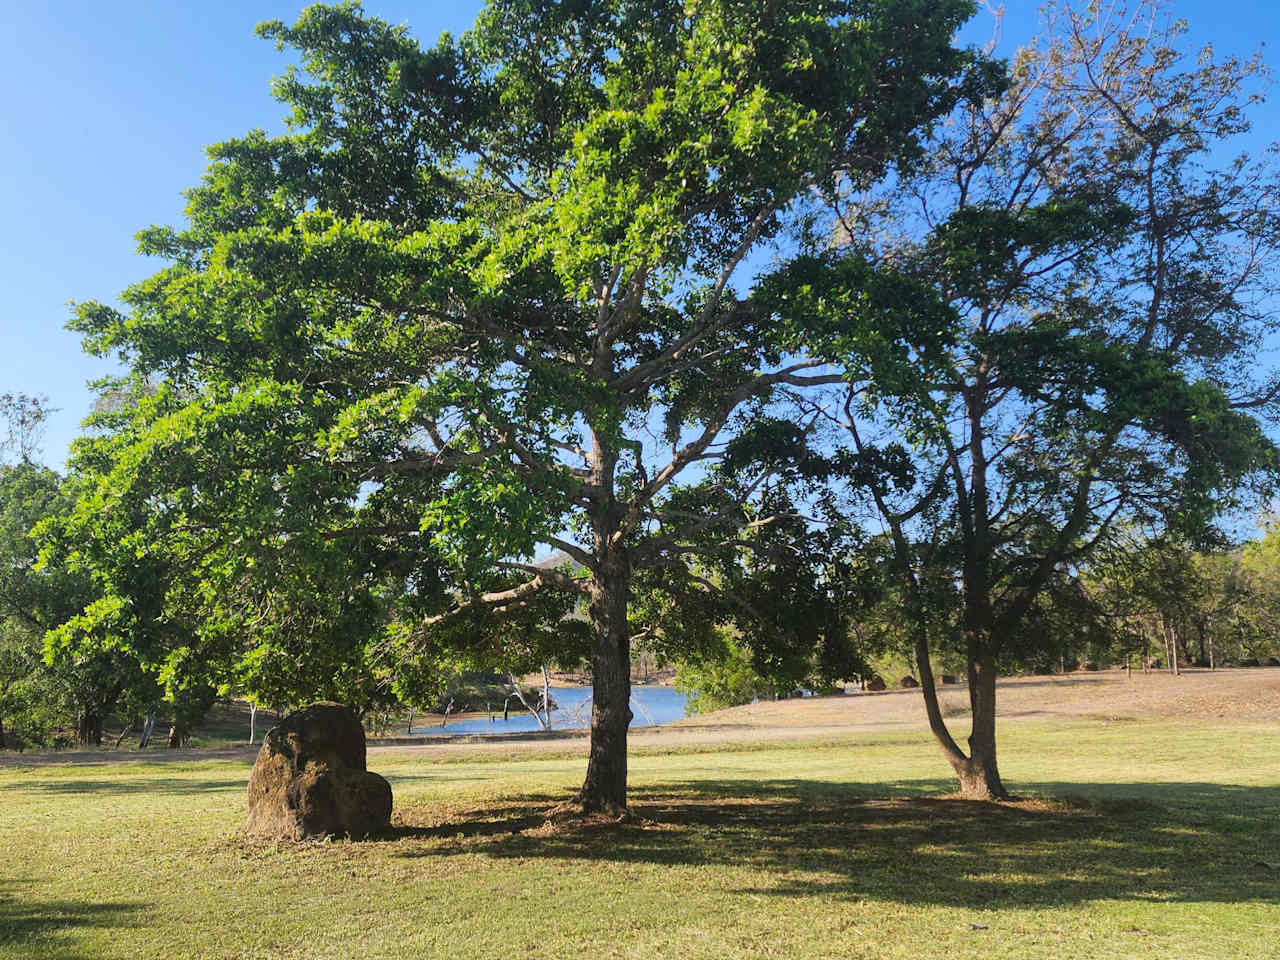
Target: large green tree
x: 486, y: 299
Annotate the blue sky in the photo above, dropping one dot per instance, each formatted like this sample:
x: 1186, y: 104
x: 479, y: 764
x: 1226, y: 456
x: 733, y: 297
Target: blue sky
x: 106, y: 108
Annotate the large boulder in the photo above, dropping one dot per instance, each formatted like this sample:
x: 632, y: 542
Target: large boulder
x: 310, y: 779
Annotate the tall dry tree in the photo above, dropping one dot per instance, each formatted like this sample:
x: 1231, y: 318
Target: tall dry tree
x: 1102, y: 276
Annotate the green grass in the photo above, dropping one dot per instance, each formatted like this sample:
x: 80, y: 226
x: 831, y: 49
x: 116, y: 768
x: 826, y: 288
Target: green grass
x: 1139, y: 840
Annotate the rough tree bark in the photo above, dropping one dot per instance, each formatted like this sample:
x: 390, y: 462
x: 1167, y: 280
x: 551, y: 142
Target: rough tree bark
x: 980, y: 775
x: 605, y: 788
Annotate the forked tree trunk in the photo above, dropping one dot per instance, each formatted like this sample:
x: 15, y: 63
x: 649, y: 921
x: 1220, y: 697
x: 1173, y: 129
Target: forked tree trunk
x: 977, y: 772
x: 605, y: 788
x: 524, y: 702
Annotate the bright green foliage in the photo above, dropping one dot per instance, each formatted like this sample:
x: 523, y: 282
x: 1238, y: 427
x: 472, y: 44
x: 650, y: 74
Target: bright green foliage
x: 722, y: 676
x: 38, y: 698
x: 1248, y: 595
x: 482, y: 302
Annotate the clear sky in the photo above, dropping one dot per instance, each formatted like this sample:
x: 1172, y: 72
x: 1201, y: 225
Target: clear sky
x: 106, y: 108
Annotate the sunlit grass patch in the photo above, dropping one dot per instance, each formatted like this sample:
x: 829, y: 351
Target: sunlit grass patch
x: 1147, y: 840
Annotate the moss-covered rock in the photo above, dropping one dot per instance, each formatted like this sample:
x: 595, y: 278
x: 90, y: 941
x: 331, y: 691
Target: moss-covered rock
x: 310, y: 779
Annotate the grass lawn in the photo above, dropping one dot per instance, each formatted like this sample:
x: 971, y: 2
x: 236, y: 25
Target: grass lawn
x: 1137, y: 839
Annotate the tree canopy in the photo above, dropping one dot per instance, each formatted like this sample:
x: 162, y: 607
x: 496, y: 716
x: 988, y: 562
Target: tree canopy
x: 485, y: 300
x: 1100, y: 285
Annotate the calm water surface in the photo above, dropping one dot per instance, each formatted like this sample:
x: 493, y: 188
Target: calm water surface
x: 652, y: 706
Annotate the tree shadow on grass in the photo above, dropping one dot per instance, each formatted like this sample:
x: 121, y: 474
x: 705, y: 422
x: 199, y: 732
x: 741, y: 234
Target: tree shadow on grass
x: 113, y: 758
x: 29, y: 925
x: 235, y: 781
x: 120, y: 786
x: 1076, y: 843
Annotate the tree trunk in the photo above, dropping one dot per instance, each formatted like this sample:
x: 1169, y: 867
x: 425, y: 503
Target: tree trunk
x: 1, y: 733
x: 145, y: 739
x: 979, y: 775
x: 605, y: 788
x: 89, y: 729
x: 253, y: 722
x: 524, y: 701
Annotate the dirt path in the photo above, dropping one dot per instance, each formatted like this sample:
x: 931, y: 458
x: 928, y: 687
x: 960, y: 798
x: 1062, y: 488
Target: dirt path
x: 1239, y: 695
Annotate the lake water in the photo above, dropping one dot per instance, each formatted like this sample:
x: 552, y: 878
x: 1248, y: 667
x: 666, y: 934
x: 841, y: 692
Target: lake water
x: 653, y: 706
